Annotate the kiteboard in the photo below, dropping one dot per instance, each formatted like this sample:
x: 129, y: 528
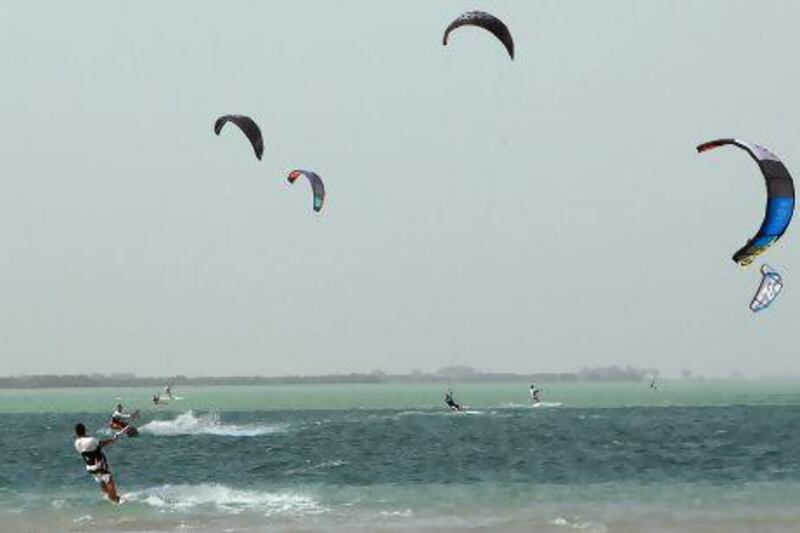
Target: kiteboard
x: 540, y: 405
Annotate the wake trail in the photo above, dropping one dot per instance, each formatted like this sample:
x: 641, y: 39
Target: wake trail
x: 207, y: 424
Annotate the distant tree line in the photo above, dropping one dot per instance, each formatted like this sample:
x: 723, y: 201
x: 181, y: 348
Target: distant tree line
x: 443, y: 375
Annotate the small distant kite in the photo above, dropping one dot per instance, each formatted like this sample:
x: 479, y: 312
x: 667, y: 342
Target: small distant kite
x: 486, y: 21
x: 780, y: 198
x: 317, y: 187
x: 769, y: 288
x: 248, y: 127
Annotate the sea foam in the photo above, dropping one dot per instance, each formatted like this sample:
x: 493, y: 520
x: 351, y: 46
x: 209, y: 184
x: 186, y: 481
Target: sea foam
x: 175, y: 498
x: 207, y: 424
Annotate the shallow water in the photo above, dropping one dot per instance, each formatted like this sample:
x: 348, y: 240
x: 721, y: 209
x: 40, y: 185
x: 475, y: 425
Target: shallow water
x: 404, y: 396
x: 661, y: 465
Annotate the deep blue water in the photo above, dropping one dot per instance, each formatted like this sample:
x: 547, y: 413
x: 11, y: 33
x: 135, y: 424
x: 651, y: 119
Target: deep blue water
x: 420, y: 462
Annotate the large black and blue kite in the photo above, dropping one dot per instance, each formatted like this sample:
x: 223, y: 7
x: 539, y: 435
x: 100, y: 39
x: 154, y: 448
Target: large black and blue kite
x: 780, y: 198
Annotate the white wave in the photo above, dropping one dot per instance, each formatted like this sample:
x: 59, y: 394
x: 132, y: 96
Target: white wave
x: 405, y: 513
x: 541, y: 405
x: 325, y: 465
x: 174, y: 498
x: 445, y: 411
x: 577, y: 524
x: 207, y: 424
x: 329, y: 464
x: 58, y: 504
x: 83, y: 519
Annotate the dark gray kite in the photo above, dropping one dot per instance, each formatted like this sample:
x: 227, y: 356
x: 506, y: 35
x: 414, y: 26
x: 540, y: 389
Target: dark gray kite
x: 248, y: 127
x: 488, y: 22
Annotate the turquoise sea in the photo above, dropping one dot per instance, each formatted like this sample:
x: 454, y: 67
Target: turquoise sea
x: 692, y: 456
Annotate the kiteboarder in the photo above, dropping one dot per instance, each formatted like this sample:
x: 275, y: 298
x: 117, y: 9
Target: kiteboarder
x: 534, y: 394
x: 451, y: 403
x: 91, y: 451
x: 163, y: 398
x: 120, y: 420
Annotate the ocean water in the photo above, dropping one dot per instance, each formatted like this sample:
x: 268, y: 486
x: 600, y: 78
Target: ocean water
x: 693, y: 456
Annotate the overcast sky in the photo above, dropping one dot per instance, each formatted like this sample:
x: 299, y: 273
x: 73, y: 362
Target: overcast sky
x: 536, y: 215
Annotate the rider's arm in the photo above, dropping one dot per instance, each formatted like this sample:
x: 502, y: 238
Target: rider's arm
x: 107, y: 442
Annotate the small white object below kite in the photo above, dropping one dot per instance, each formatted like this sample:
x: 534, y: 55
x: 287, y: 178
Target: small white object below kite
x: 771, y: 285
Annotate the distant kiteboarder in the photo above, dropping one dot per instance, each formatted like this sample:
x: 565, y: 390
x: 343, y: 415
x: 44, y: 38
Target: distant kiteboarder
x: 91, y: 451
x: 653, y: 384
x: 165, y: 397
x: 535, y: 394
x: 450, y: 401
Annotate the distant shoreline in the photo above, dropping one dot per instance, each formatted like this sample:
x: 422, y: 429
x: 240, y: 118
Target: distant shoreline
x: 444, y: 375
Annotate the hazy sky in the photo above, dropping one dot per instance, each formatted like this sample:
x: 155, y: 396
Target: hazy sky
x: 535, y: 215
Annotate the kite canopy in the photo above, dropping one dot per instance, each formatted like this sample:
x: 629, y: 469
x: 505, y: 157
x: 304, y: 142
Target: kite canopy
x: 317, y: 186
x: 780, y: 198
x: 768, y: 290
x: 486, y: 21
x: 248, y: 127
